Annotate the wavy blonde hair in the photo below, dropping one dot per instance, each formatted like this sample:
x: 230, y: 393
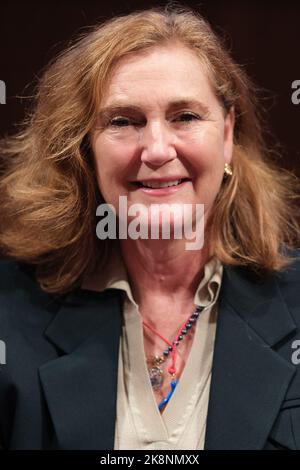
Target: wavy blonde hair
x: 48, y: 187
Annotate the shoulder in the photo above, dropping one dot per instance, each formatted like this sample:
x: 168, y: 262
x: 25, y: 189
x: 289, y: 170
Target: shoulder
x: 288, y: 282
x: 15, y: 275
x: 23, y: 304
x: 247, y: 290
x: 7, y: 270
x: 288, y: 279
x: 12, y: 283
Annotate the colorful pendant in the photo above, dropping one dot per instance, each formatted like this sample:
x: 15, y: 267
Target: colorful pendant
x: 156, y: 373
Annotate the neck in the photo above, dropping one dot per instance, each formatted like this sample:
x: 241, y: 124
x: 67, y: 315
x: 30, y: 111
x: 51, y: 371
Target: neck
x: 162, y: 273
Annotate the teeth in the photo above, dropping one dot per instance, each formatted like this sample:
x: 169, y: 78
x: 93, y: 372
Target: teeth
x: 161, y: 185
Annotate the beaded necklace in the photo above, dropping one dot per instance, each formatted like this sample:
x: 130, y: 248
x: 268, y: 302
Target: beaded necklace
x: 155, y: 372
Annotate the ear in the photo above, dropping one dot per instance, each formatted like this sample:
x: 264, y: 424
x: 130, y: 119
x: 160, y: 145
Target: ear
x: 229, y: 134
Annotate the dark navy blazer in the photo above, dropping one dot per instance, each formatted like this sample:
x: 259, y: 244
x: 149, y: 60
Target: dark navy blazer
x: 58, y: 385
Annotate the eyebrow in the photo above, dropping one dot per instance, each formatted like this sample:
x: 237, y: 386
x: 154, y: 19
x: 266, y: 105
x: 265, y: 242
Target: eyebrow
x: 119, y: 107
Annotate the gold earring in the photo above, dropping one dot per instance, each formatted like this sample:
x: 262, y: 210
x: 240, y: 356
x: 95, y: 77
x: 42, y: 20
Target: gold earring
x: 227, y: 170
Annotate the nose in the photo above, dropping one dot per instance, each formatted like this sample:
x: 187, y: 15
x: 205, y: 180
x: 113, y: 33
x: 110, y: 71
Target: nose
x: 157, y: 144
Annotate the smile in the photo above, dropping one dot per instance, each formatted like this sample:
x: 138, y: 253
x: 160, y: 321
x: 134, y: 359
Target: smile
x: 157, y: 184
x: 161, y: 188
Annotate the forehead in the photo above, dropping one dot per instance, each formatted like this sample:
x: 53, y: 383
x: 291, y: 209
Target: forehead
x: 162, y: 73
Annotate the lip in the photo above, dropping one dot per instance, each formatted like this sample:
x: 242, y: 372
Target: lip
x: 162, y: 179
x: 163, y: 191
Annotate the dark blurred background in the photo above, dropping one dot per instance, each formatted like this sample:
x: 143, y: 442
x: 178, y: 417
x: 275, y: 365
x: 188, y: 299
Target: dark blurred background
x: 263, y: 38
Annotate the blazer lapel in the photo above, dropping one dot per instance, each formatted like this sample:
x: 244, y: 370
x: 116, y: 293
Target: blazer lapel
x: 249, y: 378
x: 80, y: 387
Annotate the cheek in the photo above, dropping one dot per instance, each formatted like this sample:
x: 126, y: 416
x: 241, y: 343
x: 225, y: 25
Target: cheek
x: 207, y: 160
x: 111, y: 159
x: 112, y: 163
x: 206, y: 149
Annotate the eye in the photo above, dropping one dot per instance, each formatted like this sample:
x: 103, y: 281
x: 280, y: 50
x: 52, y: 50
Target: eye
x: 187, y: 117
x: 120, y: 122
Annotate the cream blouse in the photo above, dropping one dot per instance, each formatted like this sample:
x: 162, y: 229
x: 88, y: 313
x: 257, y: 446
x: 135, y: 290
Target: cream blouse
x: 139, y: 423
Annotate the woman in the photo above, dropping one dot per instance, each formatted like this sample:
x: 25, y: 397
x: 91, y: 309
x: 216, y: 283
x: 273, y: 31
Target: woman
x: 136, y: 342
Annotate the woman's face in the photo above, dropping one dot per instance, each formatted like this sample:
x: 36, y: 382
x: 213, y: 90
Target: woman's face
x: 160, y: 119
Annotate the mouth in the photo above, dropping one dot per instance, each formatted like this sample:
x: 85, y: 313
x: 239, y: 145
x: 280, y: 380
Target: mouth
x: 161, y: 188
x: 160, y: 184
